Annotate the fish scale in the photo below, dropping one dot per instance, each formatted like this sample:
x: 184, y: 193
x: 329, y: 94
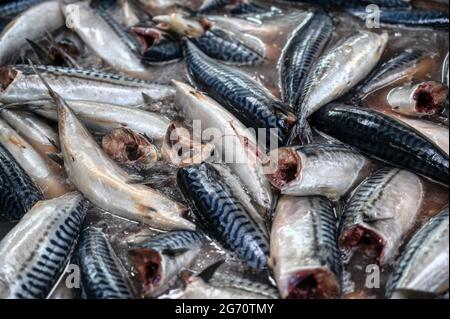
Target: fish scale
x: 17, y: 192
x: 384, y: 138
x: 219, y: 45
x: 53, y: 227
x: 300, y: 53
x: 249, y: 101
x: 102, y: 273
x: 223, y: 215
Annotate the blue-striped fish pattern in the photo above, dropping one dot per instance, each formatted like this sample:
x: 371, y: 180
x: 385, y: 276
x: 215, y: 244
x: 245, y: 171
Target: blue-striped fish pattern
x: 17, y: 191
x: 11, y: 8
x: 384, y: 138
x: 164, y: 51
x: 175, y: 240
x: 222, y: 215
x: 250, y: 102
x: 102, y: 275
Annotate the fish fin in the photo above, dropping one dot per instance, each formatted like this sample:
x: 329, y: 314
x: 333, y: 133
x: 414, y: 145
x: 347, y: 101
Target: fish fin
x: 147, y: 99
x: 173, y: 253
x: 55, y: 96
x: 40, y: 52
x: 57, y: 158
x: 209, y: 272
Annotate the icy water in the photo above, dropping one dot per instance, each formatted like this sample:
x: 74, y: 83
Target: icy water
x: 274, y: 33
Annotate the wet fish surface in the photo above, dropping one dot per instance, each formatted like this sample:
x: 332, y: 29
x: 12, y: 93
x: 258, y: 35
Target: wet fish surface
x: 384, y: 138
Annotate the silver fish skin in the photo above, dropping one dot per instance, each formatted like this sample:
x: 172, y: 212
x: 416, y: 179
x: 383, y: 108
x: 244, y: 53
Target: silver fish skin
x: 48, y: 176
x: 400, y: 68
x: 104, y: 118
x: 159, y: 261
x: 20, y: 84
x: 105, y: 184
x: 31, y: 24
x: 37, y: 132
x: 18, y: 193
x: 34, y: 253
x: 445, y: 70
x: 422, y: 269
x: 232, y: 145
x: 380, y: 213
x: 418, y: 99
x: 304, y: 254
x: 102, y: 274
x: 329, y: 170
x: 340, y: 69
x: 98, y: 34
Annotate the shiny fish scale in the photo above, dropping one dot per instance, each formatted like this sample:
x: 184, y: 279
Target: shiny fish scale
x: 414, y: 245
x: 13, y: 8
x: 102, y: 277
x: 250, y: 102
x: 384, y: 138
x: 17, y: 192
x: 223, y: 215
x: 175, y: 240
x: 40, y: 273
x: 219, y: 45
x: 302, y: 50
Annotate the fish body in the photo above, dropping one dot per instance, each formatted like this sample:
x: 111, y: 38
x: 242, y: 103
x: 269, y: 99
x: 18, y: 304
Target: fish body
x: 398, y: 4
x: 326, y: 170
x: 12, y: 8
x: 422, y: 269
x: 400, y: 68
x: 411, y: 18
x: 303, y: 49
x: 250, y: 102
x: 384, y: 138
x: 20, y: 84
x: 48, y: 176
x: 380, y: 213
x: 160, y: 260
x: 163, y: 52
x: 18, y: 193
x: 102, y: 274
x: 31, y: 24
x: 228, y: 218
x: 96, y: 31
x: 304, y: 254
x: 231, y: 145
x: 34, y: 253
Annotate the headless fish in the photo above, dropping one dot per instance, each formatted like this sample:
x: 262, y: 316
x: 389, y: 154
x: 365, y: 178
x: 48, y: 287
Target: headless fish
x: 248, y: 100
x: 224, y: 211
x: 20, y: 84
x: 18, y: 193
x: 234, y: 144
x: 304, y: 254
x: 105, y: 184
x: 103, y: 39
x: 47, y: 175
x: 35, y: 252
x: 159, y: 261
x: 384, y: 138
x: 303, y: 49
x: 403, y: 67
x: 419, y: 100
x: 422, y: 269
x: 31, y: 24
x: 42, y: 137
x: 312, y: 170
x: 102, y: 274
x: 339, y: 70
x: 380, y: 213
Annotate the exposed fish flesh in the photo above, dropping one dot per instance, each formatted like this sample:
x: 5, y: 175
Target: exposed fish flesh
x: 233, y: 146
x: 303, y: 252
x: 312, y: 170
x: 384, y: 138
x: 160, y: 260
x: 422, y: 270
x: 102, y: 274
x: 380, y: 213
x: 228, y: 217
x: 417, y: 100
x: 18, y: 193
x: 34, y: 253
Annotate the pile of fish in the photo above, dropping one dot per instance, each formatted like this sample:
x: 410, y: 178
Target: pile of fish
x: 229, y: 149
